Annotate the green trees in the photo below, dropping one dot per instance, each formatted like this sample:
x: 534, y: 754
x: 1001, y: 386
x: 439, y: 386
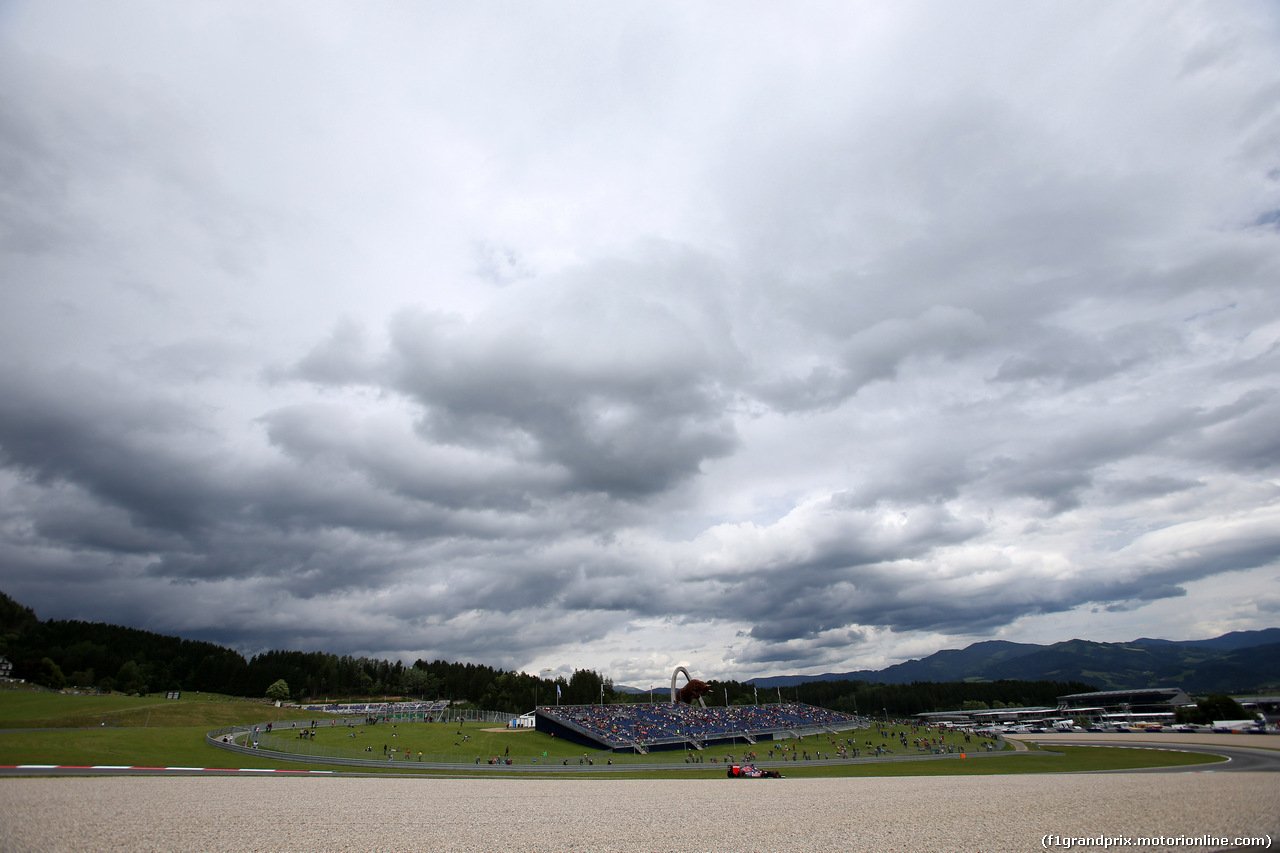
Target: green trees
x: 419, y: 683
x: 279, y: 691
x: 136, y: 661
x: 14, y: 617
x: 130, y: 678
x: 584, y: 688
x: 50, y: 675
x: 83, y: 678
x: 1215, y: 706
x: 99, y: 650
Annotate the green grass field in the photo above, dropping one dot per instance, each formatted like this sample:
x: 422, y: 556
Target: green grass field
x: 36, y: 709
x: 49, y: 728
x: 451, y: 742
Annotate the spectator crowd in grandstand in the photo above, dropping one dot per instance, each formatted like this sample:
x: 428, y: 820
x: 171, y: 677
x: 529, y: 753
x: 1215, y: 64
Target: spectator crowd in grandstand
x: 623, y: 725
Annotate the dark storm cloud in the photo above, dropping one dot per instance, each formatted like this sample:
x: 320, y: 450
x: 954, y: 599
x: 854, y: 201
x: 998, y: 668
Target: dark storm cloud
x: 103, y: 437
x: 607, y: 384
x: 400, y: 462
x: 528, y: 340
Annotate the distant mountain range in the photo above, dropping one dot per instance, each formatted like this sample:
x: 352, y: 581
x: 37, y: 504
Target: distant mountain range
x: 1240, y: 661
x: 622, y: 688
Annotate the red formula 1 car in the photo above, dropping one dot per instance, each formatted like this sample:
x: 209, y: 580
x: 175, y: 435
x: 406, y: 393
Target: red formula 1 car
x: 749, y: 771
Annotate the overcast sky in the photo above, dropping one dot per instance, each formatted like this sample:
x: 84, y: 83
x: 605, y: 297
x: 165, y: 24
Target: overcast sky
x: 758, y: 338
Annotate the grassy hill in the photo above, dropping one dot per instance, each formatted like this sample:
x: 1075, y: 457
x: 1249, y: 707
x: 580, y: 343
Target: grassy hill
x: 37, y: 709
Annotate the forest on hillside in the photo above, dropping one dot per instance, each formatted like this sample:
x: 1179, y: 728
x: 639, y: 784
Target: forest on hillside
x: 93, y: 655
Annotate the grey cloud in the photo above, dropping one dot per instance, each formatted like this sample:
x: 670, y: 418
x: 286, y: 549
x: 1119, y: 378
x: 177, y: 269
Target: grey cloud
x: 500, y: 265
x: 807, y: 605
x: 87, y: 157
x: 1243, y: 435
x: 1146, y: 595
x: 1058, y: 488
x: 105, y: 438
x: 1074, y: 359
x: 77, y: 520
x: 876, y: 353
x: 848, y: 574
x: 296, y: 355
x: 627, y: 435
x: 1147, y: 487
x: 38, y: 158
x: 1246, y: 550
x: 1061, y: 471
x: 801, y: 653
x: 451, y: 477
x: 621, y: 388
x: 342, y: 358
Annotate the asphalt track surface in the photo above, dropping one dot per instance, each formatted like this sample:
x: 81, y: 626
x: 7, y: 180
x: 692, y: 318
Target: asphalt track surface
x: 1216, y: 804
x: 1239, y: 759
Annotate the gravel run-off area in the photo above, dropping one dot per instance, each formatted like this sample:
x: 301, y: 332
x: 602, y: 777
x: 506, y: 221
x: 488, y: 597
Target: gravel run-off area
x: 975, y: 814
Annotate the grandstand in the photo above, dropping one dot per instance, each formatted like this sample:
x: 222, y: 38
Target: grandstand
x: 648, y: 726
x: 381, y: 709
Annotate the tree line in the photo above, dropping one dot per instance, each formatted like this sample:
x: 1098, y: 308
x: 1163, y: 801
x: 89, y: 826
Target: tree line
x: 92, y: 655
x: 874, y: 699
x: 99, y: 656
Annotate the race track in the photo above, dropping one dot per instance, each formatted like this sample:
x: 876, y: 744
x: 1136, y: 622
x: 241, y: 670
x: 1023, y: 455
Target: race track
x: 956, y: 813
x: 303, y: 812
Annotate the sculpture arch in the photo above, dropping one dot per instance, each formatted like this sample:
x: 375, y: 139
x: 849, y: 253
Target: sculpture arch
x: 693, y: 688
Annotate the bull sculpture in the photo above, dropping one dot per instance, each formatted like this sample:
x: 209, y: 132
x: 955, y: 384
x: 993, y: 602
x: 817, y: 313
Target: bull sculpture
x: 692, y: 691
